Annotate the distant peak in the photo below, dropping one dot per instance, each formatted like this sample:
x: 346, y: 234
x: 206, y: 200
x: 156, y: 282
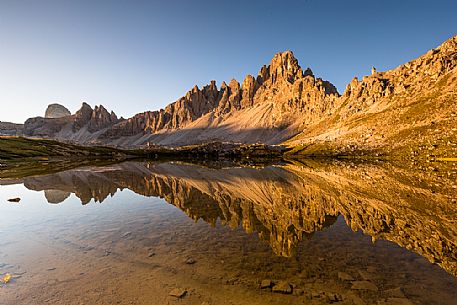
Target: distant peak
x: 101, y: 107
x: 56, y: 111
x: 85, y: 105
x: 55, y: 104
x: 308, y: 72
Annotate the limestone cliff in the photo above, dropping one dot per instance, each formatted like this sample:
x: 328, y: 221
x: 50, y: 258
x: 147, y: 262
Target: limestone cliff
x: 406, y: 112
x: 82, y: 127
x: 269, y: 108
x: 10, y: 129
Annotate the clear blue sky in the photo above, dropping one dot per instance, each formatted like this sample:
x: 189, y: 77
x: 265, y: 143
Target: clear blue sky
x: 133, y: 56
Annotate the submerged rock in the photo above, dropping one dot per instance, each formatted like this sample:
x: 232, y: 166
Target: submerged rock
x: 395, y: 293
x: 364, y: 285
x: 190, y: 261
x: 367, y: 276
x: 282, y: 287
x: 344, y: 276
x: 334, y: 297
x: 266, y: 284
x: 395, y: 301
x: 178, y: 293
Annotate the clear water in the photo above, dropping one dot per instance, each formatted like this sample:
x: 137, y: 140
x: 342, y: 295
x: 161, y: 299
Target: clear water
x: 135, y: 232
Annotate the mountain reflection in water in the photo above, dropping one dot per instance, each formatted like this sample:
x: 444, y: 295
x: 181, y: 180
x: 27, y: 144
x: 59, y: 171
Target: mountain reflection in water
x: 288, y: 203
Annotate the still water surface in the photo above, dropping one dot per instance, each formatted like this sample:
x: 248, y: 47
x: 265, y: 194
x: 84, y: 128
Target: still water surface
x: 134, y: 232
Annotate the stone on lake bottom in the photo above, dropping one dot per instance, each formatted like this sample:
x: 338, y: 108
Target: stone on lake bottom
x: 190, y: 261
x: 395, y: 292
x: 333, y: 297
x: 364, y: 285
x: 266, y: 284
x: 344, y: 276
x: 178, y: 293
x: 282, y: 287
x: 367, y: 276
x: 396, y: 301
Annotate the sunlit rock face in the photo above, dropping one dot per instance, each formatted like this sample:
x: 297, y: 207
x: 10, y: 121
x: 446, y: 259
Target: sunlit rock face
x: 401, y: 112
x: 286, y: 204
x: 405, y: 112
x: 269, y: 108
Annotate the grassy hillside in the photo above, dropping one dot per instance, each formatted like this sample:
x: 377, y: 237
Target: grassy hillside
x: 12, y: 148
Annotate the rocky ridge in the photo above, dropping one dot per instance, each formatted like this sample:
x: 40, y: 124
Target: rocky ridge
x: 406, y: 112
x: 282, y: 96
x: 81, y: 127
x: 269, y: 108
x: 10, y: 129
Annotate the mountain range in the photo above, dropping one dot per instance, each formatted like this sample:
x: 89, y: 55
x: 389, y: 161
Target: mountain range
x: 410, y: 110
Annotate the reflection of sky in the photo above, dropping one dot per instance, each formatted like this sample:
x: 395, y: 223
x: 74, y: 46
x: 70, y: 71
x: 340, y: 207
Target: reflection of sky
x: 127, y: 212
x: 34, y: 210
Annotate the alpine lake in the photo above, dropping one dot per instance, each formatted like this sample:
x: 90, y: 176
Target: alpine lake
x: 214, y: 233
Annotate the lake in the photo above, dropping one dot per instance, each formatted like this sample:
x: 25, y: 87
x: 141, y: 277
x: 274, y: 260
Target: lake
x: 308, y: 232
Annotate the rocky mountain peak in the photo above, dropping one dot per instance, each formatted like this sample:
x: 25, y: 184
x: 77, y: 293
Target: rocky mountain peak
x: 101, y: 118
x: 282, y: 102
x: 281, y: 89
x: 55, y: 111
x: 283, y: 96
x: 285, y: 66
x: 449, y: 45
x: 248, y: 90
x: 83, y: 115
x: 308, y: 72
x: 95, y: 119
x: 417, y: 75
x: 234, y: 85
x: 85, y: 105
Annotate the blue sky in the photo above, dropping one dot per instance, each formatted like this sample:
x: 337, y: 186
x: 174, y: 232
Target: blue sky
x: 133, y: 56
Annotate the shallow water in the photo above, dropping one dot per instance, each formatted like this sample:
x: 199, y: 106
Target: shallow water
x: 132, y: 233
